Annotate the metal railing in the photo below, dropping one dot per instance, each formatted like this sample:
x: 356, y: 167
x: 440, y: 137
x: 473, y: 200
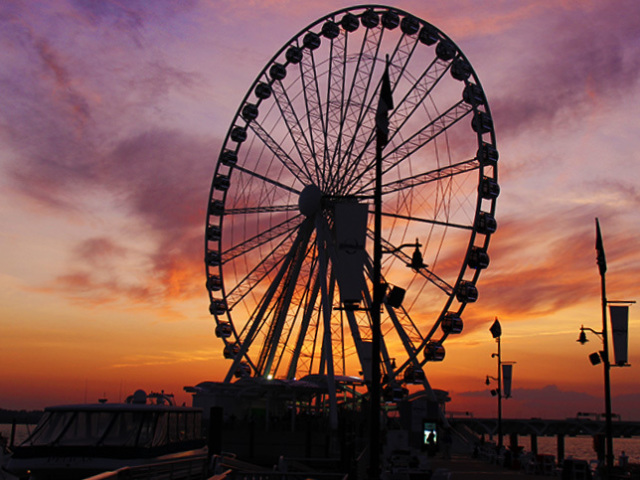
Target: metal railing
x: 185, y: 469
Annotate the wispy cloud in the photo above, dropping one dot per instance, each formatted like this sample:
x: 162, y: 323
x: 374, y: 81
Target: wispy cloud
x: 568, y: 72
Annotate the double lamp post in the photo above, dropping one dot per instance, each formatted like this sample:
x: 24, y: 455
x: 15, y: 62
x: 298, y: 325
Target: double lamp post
x: 619, y: 320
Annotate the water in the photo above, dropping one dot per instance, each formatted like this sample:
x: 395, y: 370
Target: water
x: 581, y: 447
x: 22, y: 432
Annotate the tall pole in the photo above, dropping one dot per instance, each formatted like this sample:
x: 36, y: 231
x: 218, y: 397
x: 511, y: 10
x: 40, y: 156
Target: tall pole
x: 607, y: 381
x: 385, y: 104
x: 374, y: 465
x: 499, y: 396
x: 602, y: 266
x: 496, y: 331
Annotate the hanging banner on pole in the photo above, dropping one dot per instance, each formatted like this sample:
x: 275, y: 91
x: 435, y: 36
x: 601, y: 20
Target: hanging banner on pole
x: 507, y: 371
x: 620, y: 331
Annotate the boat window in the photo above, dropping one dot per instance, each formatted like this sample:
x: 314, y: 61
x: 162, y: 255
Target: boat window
x: 173, y: 427
x: 124, y: 430
x: 182, y: 426
x: 189, y: 430
x: 49, y: 429
x: 161, y: 433
x: 86, y: 428
x: 197, y: 426
x: 146, y: 433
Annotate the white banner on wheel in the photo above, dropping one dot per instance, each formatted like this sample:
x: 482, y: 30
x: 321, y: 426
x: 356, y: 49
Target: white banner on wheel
x: 351, y: 235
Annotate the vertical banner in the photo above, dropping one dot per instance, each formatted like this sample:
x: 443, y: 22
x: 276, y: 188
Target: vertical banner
x: 507, y: 371
x: 351, y: 234
x: 620, y: 333
x: 365, y: 361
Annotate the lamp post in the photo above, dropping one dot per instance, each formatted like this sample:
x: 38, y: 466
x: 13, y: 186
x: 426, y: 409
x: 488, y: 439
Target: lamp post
x: 496, y: 331
x: 385, y: 104
x: 504, y: 377
x: 595, y: 359
x: 604, y: 354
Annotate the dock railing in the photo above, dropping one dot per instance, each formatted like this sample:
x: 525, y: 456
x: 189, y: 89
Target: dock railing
x: 184, y: 469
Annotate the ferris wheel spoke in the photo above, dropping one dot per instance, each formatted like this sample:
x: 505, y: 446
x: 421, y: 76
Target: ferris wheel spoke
x: 407, y: 107
x: 294, y: 127
x: 401, y: 56
x: 310, y: 308
x: 421, y: 138
x: 268, y: 180
x: 359, y: 144
x: 262, y: 238
x: 421, y: 179
x: 260, y: 315
x: 424, y: 271
x: 260, y: 271
x: 406, y: 328
x: 288, y: 312
x: 335, y: 101
x: 426, y: 134
x: 248, y: 334
x: 293, y: 167
x: 282, y: 315
x: 261, y: 209
x: 428, y: 221
x: 313, y: 110
x: 357, y: 100
x: 323, y: 237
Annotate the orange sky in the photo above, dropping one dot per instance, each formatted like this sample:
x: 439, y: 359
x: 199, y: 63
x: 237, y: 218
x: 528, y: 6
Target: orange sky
x: 112, y: 117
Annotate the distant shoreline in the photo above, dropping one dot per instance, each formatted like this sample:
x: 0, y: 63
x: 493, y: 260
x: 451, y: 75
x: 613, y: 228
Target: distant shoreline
x: 20, y: 416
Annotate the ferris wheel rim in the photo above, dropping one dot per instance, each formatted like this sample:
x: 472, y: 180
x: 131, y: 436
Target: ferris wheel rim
x: 482, y: 140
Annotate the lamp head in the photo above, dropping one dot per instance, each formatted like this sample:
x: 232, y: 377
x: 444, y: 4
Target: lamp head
x: 487, y: 382
x: 416, y: 259
x: 582, y: 338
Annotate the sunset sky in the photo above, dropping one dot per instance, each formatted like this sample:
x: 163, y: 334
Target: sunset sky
x: 112, y: 115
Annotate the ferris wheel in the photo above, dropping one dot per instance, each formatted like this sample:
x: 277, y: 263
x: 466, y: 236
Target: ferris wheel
x: 288, y: 247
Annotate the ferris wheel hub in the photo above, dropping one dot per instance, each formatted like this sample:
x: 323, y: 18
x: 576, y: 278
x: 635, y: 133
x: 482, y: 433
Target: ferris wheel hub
x: 310, y: 200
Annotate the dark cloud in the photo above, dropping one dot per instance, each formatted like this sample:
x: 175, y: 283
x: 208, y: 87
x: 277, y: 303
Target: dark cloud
x: 130, y: 14
x: 80, y: 122
x: 162, y: 180
x: 165, y: 176
x: 122, y: 15
x: 87, y: 288
x: 538, y: 267
x: 569, y: 65
x: 551, y: 401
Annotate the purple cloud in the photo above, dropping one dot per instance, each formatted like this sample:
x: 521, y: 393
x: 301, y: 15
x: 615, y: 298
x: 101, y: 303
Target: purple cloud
x: 575, y: 59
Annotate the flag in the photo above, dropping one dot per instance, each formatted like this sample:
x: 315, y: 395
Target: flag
x: 602, y: 261
x: 496, y: 329
x: 385, y: 103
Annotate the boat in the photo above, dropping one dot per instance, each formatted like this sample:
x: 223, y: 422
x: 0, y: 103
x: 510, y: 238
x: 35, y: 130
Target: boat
x: 78, y: 441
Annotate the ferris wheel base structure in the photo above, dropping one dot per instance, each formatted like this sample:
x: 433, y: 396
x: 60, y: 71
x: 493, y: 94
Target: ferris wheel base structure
x: 258, y: 410
x: 289, y: 251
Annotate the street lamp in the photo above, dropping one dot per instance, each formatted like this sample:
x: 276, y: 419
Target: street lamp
x: 496, y: 332
x: 603, y: 355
